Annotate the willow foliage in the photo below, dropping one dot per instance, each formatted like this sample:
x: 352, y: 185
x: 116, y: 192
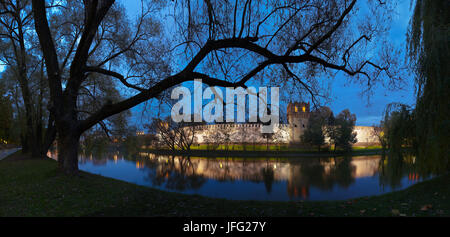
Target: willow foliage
x: 399, y: 128
x: 428, y: 50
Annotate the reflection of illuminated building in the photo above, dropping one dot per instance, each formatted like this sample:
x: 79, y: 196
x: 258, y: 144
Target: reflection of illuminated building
x: 139, y: 165
x: 328, y: 173
x: 289, y: 178
x: 413, y: 176
x: 294, y: 191
x: 299, y: 174
x: 305, y: 192
x: 365, y: 167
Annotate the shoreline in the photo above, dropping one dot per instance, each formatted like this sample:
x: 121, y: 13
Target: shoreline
x: 262, y: 154
x: 35, y: 187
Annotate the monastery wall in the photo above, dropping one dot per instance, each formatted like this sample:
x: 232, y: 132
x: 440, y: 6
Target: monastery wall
x: 240, y: 133
x: 251, y: 134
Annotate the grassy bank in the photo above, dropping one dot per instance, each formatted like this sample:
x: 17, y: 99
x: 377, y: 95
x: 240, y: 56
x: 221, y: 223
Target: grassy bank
x: 273, y: 147
x: 36, y: 188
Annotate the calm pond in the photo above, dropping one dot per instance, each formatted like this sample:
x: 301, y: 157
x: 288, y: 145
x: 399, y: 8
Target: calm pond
x: 277, y: 179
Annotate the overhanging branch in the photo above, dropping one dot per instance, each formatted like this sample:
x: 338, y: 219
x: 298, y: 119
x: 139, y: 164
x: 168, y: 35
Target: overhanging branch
x: 113, y: 74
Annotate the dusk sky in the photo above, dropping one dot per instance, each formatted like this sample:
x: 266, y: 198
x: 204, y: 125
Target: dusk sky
x: 344, y: 94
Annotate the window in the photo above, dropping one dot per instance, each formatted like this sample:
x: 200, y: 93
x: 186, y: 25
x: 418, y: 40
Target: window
x: 304, y: 109
x: 296, y: 109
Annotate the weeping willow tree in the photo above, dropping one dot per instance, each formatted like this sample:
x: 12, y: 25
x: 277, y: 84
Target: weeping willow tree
x: 429, y: 54
x: 399, y: 128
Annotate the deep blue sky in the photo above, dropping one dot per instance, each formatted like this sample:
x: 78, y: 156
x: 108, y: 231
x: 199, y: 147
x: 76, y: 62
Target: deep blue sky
x: 347, y: 95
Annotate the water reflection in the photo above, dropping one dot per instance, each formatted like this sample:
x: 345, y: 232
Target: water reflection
x: 309, y: 178
x: 176, y: 173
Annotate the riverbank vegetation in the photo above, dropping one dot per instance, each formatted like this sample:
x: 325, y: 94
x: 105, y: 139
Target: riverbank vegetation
x: 33, y: 187
x: 294, y: 153
x: 339, y: 130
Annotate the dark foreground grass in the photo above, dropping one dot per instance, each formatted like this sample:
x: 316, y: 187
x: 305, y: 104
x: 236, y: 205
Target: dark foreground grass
x: 35, y: 188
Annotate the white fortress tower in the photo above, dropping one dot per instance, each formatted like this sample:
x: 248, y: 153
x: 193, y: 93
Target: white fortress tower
x: 297, y: 116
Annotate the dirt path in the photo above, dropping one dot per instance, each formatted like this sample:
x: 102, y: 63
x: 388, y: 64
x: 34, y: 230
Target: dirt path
x: 7, y: 152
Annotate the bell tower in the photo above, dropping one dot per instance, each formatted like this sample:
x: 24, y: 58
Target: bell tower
x: 297, y: 115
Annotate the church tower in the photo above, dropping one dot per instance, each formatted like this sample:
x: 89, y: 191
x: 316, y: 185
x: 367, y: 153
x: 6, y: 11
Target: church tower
x: 297, y: 115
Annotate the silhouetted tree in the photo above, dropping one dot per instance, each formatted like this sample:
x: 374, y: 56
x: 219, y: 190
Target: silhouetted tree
x: 341, y: 131
x: 316, y: 129
x: 378, y: 132
x: 175, y: 135
x: 21, y: 56
x: 268, y: 175
x: 399, y: 127
x: 6, y: 117
x: 223, y: 43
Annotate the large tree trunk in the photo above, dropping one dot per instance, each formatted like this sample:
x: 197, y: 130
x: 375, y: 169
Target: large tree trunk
x: 33, y: 141
x: 67, y: 127
x: 68, y: 145
x: 30, y: 139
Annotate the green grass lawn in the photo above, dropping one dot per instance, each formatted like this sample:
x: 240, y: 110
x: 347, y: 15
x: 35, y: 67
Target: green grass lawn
x: 36, y: 188
x: 239, y: 147
x: 272, y: 148
x: 262, y: 147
